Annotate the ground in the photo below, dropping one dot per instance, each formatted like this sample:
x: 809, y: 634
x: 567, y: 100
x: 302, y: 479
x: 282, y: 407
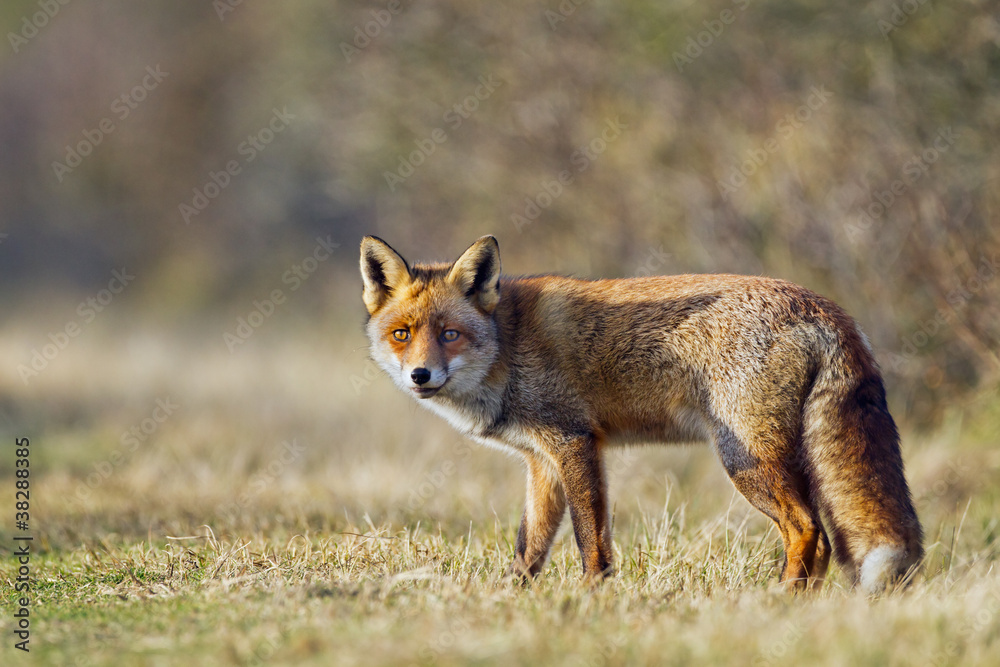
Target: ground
x: 286, y: 505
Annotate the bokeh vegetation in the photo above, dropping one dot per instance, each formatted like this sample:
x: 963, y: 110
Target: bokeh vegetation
x: 851, y: 148
x: 695, y: 107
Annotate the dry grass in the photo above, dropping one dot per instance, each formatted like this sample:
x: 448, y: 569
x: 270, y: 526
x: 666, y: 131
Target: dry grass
x: 379, y: 536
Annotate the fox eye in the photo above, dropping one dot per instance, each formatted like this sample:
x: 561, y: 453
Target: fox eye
x: 402, y: 335
x: 450, y: 335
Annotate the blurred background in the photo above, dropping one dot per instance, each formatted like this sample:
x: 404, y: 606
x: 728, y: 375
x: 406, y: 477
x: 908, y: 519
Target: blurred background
x: 183, y: 187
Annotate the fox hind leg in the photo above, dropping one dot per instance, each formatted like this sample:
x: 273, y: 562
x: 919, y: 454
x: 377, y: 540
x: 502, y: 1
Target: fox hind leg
x: 780, y: 490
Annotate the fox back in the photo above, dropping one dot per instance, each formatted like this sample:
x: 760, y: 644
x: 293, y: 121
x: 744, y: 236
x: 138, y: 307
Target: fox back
x: 556, y: 370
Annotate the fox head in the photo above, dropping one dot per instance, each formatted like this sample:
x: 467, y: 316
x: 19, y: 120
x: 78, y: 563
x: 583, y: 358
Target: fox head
x: 431, y: 326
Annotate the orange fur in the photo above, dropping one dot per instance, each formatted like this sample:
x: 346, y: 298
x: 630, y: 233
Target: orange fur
x: 780, y: 379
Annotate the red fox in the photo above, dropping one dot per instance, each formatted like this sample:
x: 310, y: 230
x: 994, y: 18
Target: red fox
x: 557, y: 370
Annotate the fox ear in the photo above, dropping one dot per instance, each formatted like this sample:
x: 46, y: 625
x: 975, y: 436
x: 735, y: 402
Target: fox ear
x: 477, y: 273
x: 383, y: 271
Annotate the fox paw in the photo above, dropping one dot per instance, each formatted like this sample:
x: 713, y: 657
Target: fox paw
x: 519, y: 572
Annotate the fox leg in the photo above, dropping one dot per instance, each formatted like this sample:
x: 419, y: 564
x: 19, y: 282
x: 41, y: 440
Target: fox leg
x: 582, y: 474
x: 807, y: 548
x: 780, y: 490
x: 543, y: 512
x: 822, y: 560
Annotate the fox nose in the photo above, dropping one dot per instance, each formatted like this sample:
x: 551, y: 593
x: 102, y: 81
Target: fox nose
x: 420, y: 375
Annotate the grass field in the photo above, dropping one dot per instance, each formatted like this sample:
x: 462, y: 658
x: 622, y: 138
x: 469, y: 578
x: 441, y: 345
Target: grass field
x: 294, y: 508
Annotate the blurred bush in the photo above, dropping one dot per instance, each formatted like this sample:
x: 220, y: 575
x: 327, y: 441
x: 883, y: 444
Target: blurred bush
x: 851, y: 148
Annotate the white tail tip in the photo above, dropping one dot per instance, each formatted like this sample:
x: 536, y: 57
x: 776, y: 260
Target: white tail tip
x: 880, y: 567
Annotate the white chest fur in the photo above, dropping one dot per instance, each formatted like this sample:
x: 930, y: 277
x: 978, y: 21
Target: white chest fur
x: 472, y: 424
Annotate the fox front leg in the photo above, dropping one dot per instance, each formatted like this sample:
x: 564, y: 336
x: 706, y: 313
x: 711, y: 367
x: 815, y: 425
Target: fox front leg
x: 582, y: 473
x: 544, y: 507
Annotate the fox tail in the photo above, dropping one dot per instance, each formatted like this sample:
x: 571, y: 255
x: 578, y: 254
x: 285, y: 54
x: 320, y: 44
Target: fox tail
x: 856, y: 464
